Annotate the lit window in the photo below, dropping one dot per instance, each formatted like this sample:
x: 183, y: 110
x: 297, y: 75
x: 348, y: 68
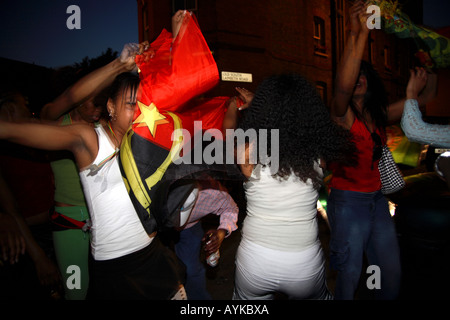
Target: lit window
x: 319, y: 36
x: 321, y: 88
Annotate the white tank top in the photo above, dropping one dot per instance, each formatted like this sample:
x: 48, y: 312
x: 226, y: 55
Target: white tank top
x: 116, y: 228
x: 281, y: 213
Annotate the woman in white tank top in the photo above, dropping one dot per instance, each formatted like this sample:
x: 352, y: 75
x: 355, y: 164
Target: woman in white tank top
x: 127, y: 263
x: 280, y: 250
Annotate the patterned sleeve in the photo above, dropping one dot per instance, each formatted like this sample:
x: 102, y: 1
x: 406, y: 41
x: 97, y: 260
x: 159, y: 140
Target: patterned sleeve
x: 220, y: 203
x: 421, y: 132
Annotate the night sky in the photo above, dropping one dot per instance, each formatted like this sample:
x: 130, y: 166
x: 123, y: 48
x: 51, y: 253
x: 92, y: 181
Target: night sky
x: 436, y: 13
x: 36, y: 31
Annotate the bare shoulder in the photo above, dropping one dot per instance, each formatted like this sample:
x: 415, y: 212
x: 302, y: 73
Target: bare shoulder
x: 86, y: 147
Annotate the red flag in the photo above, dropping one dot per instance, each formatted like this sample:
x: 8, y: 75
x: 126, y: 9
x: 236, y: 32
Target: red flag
x: 171, y: 75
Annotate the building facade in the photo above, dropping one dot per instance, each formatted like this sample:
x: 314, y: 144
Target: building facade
x: 253, y: 39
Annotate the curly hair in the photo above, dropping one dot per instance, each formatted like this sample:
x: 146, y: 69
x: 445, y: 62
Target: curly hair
x: 289, y: 103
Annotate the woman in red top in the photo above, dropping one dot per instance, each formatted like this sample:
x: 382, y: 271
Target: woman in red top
x: 357, y: 210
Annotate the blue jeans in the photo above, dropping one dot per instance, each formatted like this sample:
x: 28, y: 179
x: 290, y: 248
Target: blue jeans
x: 361, y: 223
x: 188, y: 251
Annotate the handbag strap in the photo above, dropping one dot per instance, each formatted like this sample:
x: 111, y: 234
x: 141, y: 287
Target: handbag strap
x: 382, y: 131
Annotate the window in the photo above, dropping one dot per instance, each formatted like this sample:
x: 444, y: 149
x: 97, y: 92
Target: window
x: 387, y: 58
x: 189, y: 5
x: 321, y: 88
x: 319, y: 36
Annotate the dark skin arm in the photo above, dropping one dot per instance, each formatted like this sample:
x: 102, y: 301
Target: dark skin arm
x: 230, y: 120
x: 93, y: 83
x: 348, y: 70
x: 79, y: 139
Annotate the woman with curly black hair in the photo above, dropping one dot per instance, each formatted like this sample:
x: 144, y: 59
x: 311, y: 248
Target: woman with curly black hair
x: 280, y: 250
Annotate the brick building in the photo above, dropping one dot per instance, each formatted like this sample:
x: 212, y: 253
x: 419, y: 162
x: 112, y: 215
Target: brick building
x: 260, y: 38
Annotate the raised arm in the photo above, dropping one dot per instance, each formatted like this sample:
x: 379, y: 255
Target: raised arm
x: 93, y: 83
x: 425, y: 94
x: 177, y: 21
x: 348, y: 70
x: 231, y: 116
x: 80, y: 139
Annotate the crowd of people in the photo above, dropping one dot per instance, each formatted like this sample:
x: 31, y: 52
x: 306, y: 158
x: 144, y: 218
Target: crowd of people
x: 68, y: 168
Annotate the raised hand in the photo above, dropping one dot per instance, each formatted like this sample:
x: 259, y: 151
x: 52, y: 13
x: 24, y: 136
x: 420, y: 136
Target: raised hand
x: 417, y: 81
x: 177, y: 20
x: 358, y: 17
x: 246, y: 96
x: 129, y: 52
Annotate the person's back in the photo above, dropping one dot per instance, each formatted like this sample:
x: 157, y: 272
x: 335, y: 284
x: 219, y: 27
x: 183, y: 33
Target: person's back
x: 280, y: 235
x: 281, y: 213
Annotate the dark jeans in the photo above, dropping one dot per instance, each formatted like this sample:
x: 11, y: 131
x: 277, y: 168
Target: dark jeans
x: 188, y: 251
x: 361, y: 223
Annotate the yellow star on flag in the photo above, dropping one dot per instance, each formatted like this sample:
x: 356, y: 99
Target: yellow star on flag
x: 149, y: 117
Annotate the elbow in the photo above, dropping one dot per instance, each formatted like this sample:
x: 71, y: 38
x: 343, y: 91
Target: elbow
x: 339, y: 106
x: 410, y: 133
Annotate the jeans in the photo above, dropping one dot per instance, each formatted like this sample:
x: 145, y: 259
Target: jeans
x: 361, y: 223
x: 188, y: 251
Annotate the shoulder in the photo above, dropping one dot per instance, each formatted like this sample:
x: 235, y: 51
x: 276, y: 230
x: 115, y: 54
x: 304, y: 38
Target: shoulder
x: 347, y: 120
x: 86, y: 147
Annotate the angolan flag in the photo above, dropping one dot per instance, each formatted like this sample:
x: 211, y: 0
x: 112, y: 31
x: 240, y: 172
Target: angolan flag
x: 172, y: 75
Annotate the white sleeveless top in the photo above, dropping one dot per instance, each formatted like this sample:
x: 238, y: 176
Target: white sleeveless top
x: 116, y: 228
x: 281, y: 213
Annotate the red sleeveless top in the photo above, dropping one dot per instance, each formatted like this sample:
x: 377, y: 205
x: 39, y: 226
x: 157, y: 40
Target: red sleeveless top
x: 364, y: 177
